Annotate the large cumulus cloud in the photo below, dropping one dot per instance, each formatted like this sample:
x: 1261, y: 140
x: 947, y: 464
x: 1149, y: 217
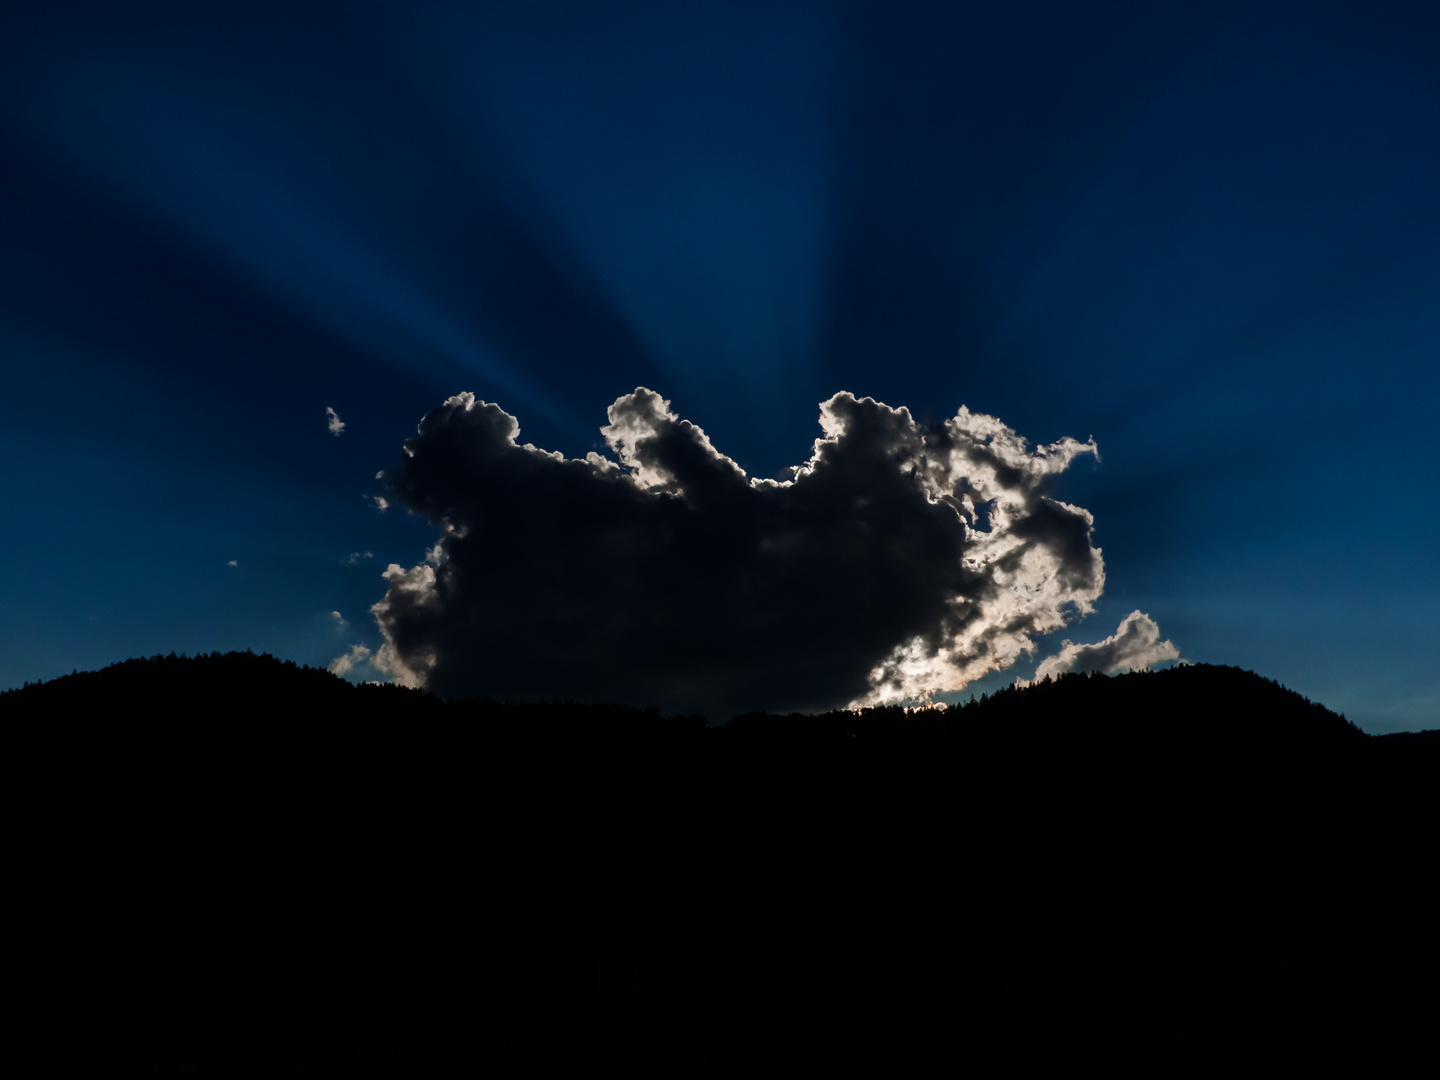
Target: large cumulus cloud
x: 901, y: 560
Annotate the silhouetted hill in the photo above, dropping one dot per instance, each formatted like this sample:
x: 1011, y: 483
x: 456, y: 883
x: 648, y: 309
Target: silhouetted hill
x: 225, y: 686
x: 1150, y: 874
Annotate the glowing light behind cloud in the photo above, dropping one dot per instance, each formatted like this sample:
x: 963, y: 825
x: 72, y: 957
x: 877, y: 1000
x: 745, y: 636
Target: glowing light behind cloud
x: 263, y: 198
x: 701, y: 200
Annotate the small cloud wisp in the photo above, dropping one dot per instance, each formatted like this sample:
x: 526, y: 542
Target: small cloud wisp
x: 346, y: 662
x: 1135, y: 646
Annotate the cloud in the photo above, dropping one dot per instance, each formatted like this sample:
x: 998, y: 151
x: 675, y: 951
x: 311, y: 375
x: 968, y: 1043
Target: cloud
x: 233, y: 562
x: 1134, y: 646
x: 900, y: 561
x: 380, y: 661
x: 340, y: 623
x: 343, y: 664
x: 355, y: 558
x: 333, y: 421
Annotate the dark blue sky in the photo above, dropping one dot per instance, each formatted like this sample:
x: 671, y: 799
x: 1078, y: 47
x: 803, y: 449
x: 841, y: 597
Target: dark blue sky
x: 1207, y: 235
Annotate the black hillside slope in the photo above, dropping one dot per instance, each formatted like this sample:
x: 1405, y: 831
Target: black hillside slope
x: 1151, y: 873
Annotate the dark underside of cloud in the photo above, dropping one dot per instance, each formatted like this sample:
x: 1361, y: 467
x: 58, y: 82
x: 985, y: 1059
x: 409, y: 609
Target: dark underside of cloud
x: 900, y: 561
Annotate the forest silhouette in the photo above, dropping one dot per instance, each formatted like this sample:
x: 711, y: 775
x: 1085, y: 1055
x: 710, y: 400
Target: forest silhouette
x: 235, y: 860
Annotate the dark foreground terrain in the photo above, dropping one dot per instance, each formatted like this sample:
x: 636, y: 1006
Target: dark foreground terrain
x: 233, y: 866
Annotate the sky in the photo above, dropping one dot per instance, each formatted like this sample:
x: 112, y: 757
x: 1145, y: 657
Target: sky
x: 1190, y: 253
